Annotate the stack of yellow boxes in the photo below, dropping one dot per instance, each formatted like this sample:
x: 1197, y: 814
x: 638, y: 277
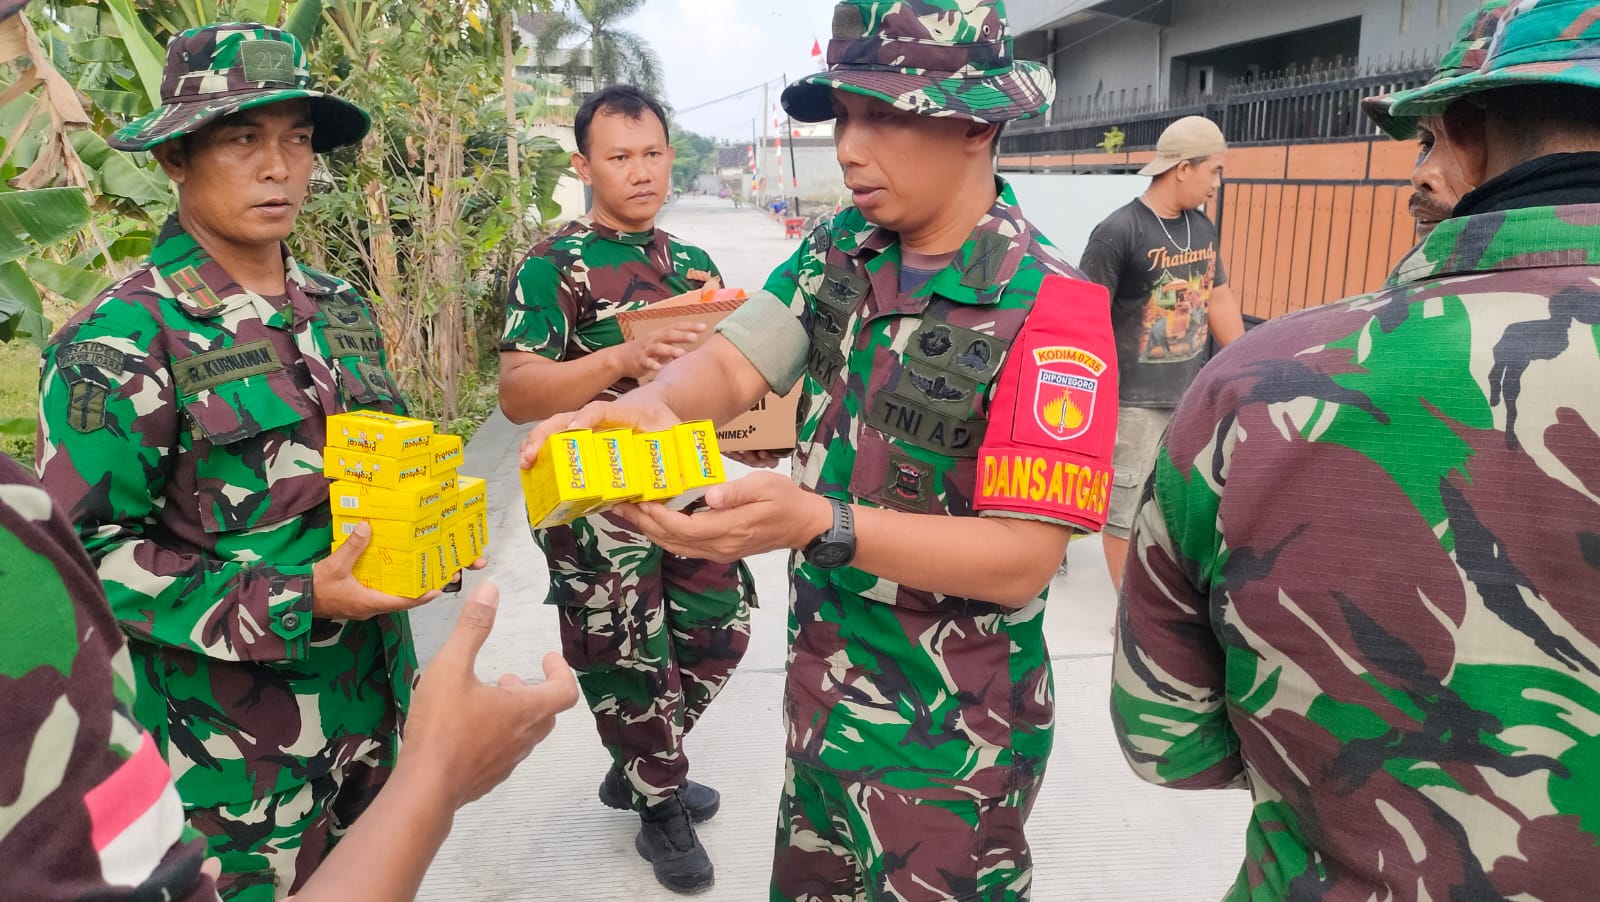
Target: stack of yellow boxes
x: 580, y: 472
x: 399, y: 476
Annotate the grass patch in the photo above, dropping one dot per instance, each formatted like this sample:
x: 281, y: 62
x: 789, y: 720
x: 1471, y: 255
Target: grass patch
x: 19, y: 383
x: 19, y: 395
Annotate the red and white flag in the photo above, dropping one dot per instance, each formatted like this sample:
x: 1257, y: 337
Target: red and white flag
x: 135, y: 816
x: 816, y: 51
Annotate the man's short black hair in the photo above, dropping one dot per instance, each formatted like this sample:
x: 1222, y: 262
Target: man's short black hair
x: 617, y: 100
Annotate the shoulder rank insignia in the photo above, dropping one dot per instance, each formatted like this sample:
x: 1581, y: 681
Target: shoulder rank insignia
x: 199, y: 293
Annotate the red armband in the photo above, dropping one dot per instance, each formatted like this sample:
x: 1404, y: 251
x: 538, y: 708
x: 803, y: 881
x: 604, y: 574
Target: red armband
x: 1053, y: 420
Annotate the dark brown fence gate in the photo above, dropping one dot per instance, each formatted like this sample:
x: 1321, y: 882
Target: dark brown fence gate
x: 1293, y: 244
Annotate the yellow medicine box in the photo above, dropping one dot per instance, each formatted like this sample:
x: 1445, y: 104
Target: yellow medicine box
x: 379, y: 433
x: 562, y: 484
x: 404, y: 573
x: 699, y: 458
x: 420, y: 502
x: 657, y: 462
x: 376, y: 469
x: 451, y: 512
x: 473, y: 495
x: 396, y: 534
x: 464, y: 543
x: 446, y: 451
x: 619, y: 470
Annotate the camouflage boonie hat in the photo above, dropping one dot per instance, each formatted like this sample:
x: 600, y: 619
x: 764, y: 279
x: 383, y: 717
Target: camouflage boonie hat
x: 1465, y: 55
x: 1538, y: 42
x: 930, y: 57
x: 222, y: 69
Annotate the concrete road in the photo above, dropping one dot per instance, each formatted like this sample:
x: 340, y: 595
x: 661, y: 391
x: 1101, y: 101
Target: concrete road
x: 1097, y: 832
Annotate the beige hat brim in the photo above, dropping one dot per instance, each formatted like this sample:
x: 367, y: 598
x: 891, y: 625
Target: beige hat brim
x: 1159, y: 165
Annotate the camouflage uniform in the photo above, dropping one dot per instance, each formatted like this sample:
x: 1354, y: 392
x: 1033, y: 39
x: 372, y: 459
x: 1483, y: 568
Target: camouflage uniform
x: 90, y: 810
x: 182, y: 425
x: 1415, y: 707
x: 653, y: 636
x: 918, y: 724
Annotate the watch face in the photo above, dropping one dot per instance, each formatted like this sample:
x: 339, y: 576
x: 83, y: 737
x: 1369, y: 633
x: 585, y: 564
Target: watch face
x: 831, y: 555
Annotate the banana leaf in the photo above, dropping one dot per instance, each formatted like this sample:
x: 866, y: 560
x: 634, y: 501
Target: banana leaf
x: 45, y: 215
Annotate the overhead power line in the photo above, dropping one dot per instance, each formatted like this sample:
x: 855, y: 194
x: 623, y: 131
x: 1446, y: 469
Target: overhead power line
x: 734, y: 96
x: 1121, y: 20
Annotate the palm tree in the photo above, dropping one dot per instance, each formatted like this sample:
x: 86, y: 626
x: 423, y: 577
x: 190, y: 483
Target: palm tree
x: 605, y: 53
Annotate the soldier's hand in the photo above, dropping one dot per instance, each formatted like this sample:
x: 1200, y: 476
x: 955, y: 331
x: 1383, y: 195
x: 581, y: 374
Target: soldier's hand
x: 645, y: 356
x: 758, y: 513
x: 470, y: 735
x: 336, y: 594
x: 630, y: 410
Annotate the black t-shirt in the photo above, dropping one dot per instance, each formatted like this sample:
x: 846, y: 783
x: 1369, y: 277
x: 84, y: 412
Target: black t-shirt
x: 1159, y: 296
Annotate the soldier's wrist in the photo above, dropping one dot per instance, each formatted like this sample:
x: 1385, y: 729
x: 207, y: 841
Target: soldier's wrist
x: 816, y: 518
x: 620, y: 362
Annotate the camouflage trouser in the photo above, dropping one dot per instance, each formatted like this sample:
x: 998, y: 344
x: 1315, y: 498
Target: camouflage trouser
x: 653, y: 637
x: 269, y: 847
x: 844, y: 841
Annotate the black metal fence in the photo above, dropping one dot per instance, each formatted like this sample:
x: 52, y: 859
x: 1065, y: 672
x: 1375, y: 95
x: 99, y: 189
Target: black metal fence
x: 1310, y: 105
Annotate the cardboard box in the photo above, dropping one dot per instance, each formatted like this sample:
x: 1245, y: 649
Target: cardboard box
x: 404, y: 573
x: 396, y: 534
x: 768, y: 426
x: 379, y: 433
x: 563, y: 484
x: 377, y: 470
x: 446, y: 451
x: 350, y: 499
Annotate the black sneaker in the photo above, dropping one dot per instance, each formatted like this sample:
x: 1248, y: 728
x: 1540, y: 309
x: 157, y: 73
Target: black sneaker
x: 701, y: 801
x: 667, y: 840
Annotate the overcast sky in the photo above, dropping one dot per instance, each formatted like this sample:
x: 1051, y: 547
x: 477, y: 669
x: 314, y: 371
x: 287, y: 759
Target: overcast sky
x: 711, y: 48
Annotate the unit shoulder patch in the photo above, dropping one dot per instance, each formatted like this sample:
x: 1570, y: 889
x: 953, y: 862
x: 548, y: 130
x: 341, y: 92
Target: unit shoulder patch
x: 1052, y: 431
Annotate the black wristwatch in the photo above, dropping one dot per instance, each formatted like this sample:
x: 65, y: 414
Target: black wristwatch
x: 837, y: 546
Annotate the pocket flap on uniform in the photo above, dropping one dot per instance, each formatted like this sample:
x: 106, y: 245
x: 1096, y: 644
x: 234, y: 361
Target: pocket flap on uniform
x: 236, y: 409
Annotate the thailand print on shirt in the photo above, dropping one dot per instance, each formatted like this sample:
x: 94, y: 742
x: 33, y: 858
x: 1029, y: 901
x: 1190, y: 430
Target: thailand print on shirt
x: 1160, y: 293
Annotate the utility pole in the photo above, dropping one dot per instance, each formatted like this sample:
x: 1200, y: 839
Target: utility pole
x: 761, y: 166
x: 794, y: 152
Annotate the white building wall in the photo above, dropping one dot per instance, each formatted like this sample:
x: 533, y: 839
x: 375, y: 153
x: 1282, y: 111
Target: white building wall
x: 816, y: 168
x: 1133, y: 54
x: 1066, y: 208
